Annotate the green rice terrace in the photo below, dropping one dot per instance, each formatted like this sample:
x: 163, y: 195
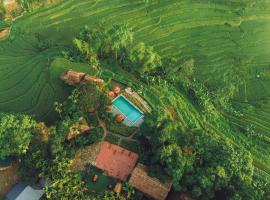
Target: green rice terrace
x: 212, y: 75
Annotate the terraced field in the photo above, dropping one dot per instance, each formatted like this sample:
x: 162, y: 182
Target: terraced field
x: 222, y: 38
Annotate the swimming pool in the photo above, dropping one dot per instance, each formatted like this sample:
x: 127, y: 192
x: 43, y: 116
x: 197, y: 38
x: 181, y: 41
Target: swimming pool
x: 127, y: 109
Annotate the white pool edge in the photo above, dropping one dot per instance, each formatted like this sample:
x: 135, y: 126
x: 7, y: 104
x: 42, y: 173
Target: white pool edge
x: 142, y: 114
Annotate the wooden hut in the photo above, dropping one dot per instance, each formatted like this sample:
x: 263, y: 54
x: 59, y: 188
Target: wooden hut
x: 93, y: 79
x: 150, y: 186
x: 72, y: 77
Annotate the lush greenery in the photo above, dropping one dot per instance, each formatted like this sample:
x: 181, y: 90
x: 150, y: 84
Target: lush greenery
x: 2, y: 12
x: 204, y: 164
x: 16, y: 132
x: 118, y: 127
x: 203, y: 65
x: 91, y: 98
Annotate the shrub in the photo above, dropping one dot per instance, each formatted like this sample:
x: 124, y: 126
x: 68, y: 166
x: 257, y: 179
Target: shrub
x: 91, y: 98
x: 112, y: 139
x: 119, y: 128
x: 94, y: 136
x: 130, y: 145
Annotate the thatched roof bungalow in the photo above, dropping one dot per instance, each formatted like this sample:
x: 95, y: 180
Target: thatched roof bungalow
x: 88, y: 78
x: 152, y: 187
x: 72, y: 77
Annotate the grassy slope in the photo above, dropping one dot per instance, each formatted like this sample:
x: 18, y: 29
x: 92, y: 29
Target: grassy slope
x: 215, y: 35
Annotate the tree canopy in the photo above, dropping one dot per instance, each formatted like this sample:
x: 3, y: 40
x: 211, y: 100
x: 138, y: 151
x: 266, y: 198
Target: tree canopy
x: 196, y: 161
x: 143, y: 59
x: 91, y: 98
x: 16, y: 132
x: 2, y: 12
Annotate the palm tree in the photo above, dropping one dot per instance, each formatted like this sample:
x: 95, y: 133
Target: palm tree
x: 120, y: 37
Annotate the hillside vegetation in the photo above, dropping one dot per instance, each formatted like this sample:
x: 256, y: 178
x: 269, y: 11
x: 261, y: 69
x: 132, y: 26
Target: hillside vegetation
x: 228, y: 41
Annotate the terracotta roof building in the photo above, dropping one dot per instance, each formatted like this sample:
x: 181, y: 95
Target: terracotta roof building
x: 116, y: 161
x: 152, y: 187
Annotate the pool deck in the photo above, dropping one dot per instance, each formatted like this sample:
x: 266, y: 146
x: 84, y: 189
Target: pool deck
x: 127, y: 122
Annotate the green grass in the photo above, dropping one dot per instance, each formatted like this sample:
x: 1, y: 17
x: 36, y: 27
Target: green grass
x: 217, y: 34
x: 130, y: 145
x: 120, y: 128
x: 102, y: 182
x: 112, y: 139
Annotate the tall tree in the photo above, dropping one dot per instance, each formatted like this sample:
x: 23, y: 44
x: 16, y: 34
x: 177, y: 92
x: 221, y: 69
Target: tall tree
x: 121, y: 36
x: 143, y: 59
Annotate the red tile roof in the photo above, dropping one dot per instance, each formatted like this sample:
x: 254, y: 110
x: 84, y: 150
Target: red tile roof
x: 116, y: 161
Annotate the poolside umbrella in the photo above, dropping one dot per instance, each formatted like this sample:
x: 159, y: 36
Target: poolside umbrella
x: 119, y: 118
x: 111, y: 94
x: 116, y: 89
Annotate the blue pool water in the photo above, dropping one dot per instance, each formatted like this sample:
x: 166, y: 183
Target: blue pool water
x: 127, y: 109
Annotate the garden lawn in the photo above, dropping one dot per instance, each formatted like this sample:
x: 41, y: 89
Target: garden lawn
x: 130, y: 145
x: 113, y: 139
x: 103, y: 180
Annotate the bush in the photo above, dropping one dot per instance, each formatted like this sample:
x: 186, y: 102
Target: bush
x: 92, y: 120
x: 112, y: 139
x: 35, y: 161
x: 91, y: 98
x: 130, y: 145
x: 94, y: 136
x: 119, y: 128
